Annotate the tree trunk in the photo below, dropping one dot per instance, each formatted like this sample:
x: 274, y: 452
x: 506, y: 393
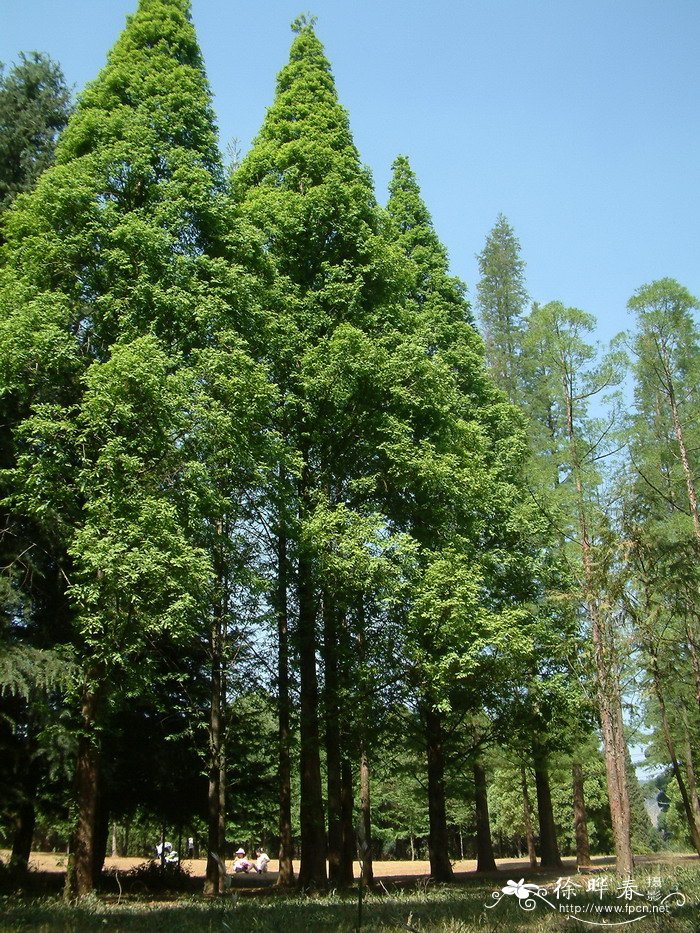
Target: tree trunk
x: 440, y: 866
x: 312, y: 870
x: 349, y: 850
x: 608, y: 686
x: 366, y: 816
x: 690, y: 772
x: 549, y: 850
x: 286, y: 851
x: 333, y: 757
x: 365, y: 717
x: 683, y: 451
x: 583, y: 849
x: 527, y: 819
x: 79, y: 877
x: 693, y: 827
x: 618, y: 791
x: 25, y: 820
x: 484, y: 848
x: 694, y: 658
x: 101, y: 832
x: 214, y: 881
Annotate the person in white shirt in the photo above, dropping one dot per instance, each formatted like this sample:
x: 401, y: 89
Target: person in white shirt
x: 261, y: 861
x: 241, y: 863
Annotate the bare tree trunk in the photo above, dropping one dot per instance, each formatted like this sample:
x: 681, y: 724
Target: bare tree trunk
x: 101, y: 834
x: 349, y: 851
x: 79, y: 877
x: 608, y: 686
x: 583, y: 848
x: 365, y: 776
x: 694, y: 658
x: 366, y: 815
x: 549, y: 849
x: 690, y: 772
x: 286, y: 869
x: 440, y: 866
x: 312, y: 871
x: 24, y: 822
x: 214, y: 881
x: 484, y: 848
x: 683, y: 451
x: 527, y: 819
x: 333, y: 759
x: 615, y: 767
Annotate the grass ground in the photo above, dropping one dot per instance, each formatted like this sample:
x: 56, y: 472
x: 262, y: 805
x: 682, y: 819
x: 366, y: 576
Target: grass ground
x: 404, y: 900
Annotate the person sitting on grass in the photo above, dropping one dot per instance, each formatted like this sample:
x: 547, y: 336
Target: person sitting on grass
x: 241, y: 863
x: 261, y: 862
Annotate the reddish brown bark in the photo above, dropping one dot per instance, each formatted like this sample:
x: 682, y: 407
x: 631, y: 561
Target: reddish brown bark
x: 583, y: 848
x: 80, y: 874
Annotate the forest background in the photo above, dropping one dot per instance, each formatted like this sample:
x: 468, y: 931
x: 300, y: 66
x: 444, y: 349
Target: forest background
x: 542, y: 359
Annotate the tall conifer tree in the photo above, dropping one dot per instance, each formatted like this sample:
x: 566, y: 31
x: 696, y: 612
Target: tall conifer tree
x: 450, y: 522
x: 502, y: 300
x: 35, y: 104
x: 303, y: 186
x: 117, y: 319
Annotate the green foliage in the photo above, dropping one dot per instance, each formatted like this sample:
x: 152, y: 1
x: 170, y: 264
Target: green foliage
x: 24, y: 669
x: 502, y: 299
x: 34, y: 107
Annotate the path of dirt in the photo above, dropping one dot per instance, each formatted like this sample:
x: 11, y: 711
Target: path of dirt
x: 56, y: 862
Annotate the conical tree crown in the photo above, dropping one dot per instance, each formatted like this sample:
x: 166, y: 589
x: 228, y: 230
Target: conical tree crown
x: 502, y: 300
x: 442, y: 312
x: 118, y: 228
x: 153, y: 83
x: 417, y: 237
x: 306, y: 133
x: 303, y: 186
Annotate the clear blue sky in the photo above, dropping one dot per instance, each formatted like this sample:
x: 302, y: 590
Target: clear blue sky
x: 578, y: 119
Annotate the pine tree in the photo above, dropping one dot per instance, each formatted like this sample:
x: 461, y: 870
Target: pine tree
x: 117, y: 354
x: 35, y: 104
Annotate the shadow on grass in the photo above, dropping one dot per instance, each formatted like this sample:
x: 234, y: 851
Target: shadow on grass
x: 423, y: 908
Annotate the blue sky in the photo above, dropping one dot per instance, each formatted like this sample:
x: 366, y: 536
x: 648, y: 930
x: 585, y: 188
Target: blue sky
x: 577, y: 119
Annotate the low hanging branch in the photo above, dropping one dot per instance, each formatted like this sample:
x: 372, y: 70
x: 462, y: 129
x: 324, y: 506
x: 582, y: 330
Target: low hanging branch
x: 25, y: 669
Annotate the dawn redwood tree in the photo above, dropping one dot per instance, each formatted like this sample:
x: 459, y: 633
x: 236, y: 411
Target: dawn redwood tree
x: 501, y: 298
x: 561, y: 376
x: 661, y: 523
x: 667, y: 371
x: 303, y: 187
x: 34, y: 108
x: 476, y: 573
x: 35, y: 105
x: 119, y: 280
